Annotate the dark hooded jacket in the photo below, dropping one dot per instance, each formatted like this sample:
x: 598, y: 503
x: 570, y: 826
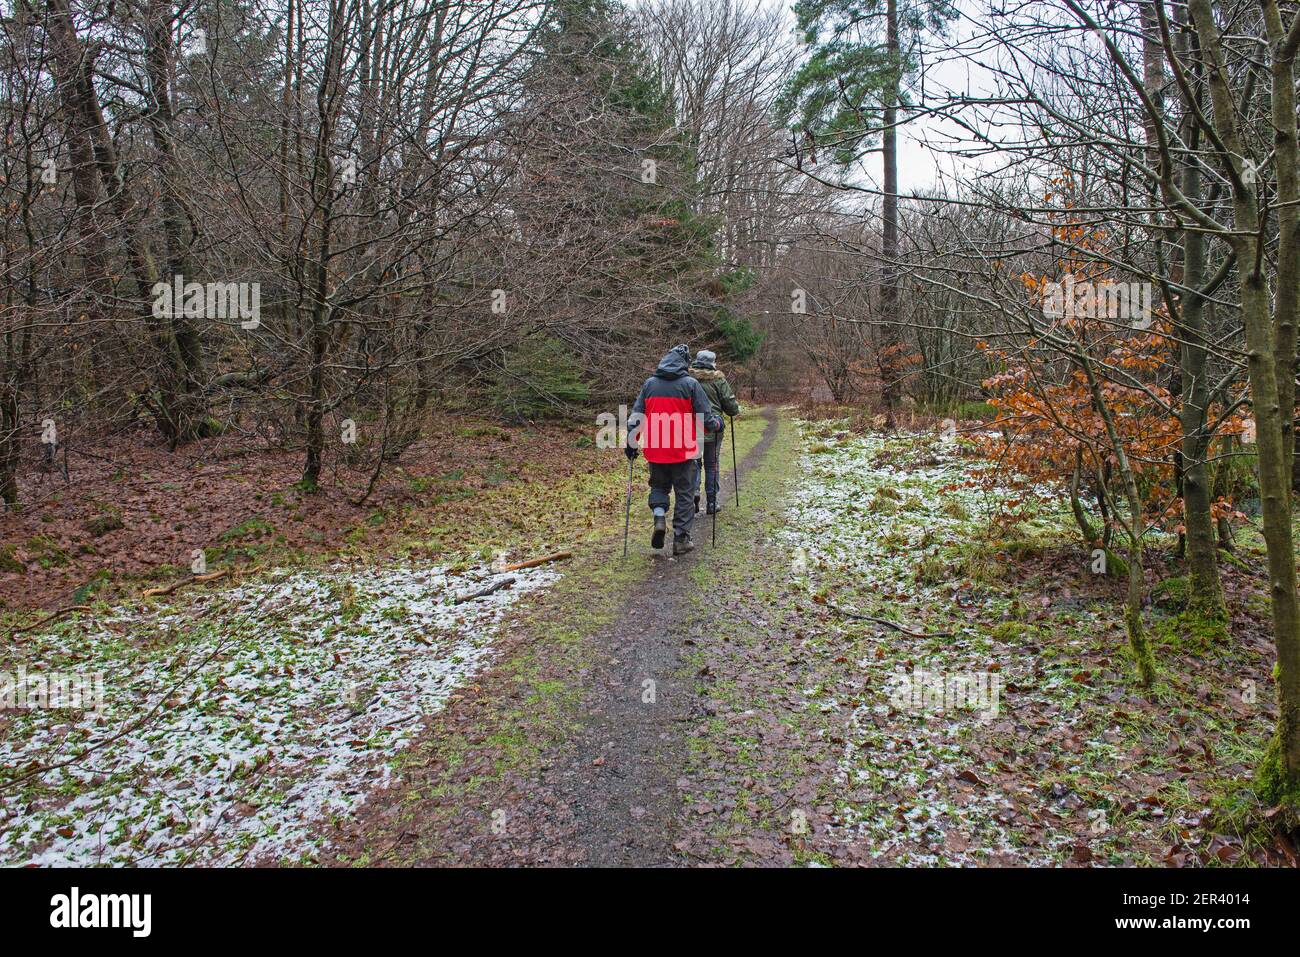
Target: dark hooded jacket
x: 664, y: 418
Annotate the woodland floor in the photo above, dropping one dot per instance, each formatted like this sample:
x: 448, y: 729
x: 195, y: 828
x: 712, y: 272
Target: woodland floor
x: 332, y: 705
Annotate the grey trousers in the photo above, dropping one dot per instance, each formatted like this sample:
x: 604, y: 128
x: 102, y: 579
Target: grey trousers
x: 708, y: 464
x: 679, y: 477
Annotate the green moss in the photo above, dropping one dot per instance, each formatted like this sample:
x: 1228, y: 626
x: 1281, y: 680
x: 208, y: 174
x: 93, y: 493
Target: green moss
x: 1223, y: 555
x: 1009, y: 632
x: 1271, y: 781
x: 1195, y: 626
x: 420, y: 483
x: 1116, y: 567
x: 1139, y: 647
x: 252, y: 528
x: 1208, y: 629
x: 1172, y: 592
x: 1191, y: 630
x: 484, y: 432
x: 46, y: 551
x: 8, y: 563
x: 94, y: 584
x: 102, y: 524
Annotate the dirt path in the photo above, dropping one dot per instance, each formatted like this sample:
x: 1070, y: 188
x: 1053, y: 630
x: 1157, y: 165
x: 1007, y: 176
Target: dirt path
x: 622, y: 776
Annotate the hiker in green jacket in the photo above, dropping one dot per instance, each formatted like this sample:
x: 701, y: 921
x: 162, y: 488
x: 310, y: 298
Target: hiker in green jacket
x: 705, y: 371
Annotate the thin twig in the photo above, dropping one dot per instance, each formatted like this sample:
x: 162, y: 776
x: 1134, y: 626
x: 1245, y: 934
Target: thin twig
x: 49, y: 618
x: 193, y: 579
x: 532, y: 562
x: 885, y: 621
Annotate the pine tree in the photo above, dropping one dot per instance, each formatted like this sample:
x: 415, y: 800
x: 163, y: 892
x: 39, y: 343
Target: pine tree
x: 849, y: 90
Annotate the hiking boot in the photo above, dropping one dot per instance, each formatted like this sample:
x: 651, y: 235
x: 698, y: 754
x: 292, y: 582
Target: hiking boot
x: 661, y: 528
x: 682, y: 544
x: 714, y: 508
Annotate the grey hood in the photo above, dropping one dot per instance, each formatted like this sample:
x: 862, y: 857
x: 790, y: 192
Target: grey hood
x: 675, y: 363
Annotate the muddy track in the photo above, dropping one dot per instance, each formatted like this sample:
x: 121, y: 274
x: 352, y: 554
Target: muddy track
x: 621, y: 776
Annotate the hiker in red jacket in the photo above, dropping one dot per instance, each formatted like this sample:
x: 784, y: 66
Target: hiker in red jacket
x: 667, y: 422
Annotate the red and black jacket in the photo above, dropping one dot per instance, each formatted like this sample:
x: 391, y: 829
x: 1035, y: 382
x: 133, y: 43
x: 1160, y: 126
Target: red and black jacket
x: 671, y: 412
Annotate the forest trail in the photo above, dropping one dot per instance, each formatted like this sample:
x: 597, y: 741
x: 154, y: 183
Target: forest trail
x: 311, y: 501
x: 621, y: 773
x: 606, y: 790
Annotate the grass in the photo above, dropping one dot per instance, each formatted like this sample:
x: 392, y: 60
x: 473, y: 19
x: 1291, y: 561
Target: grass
x: 1068, y: 662
x: 45, y: 551
x: 755, y: 768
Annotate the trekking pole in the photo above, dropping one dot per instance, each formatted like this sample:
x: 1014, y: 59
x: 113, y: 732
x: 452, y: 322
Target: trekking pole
x: 715, y: 528
x: 735, y: 475
x: 627, y: 515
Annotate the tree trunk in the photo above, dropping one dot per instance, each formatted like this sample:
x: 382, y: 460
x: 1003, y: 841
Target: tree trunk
x: 190, y: 407
x: 1202, y: 563
x: 1134, y: 527
x: 891, y: 348
x: 73, y: 77
x: 1086, y: 529
x: 327, y: 101
x: 9, y: 444
x: 1270, y: 351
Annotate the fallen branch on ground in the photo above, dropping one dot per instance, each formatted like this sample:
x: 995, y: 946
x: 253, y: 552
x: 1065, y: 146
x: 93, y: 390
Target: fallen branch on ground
x: 193, y: 579
x: 885, y: 621
x: 532, y: 562
x: 49, y: 618
x: 495, y: 586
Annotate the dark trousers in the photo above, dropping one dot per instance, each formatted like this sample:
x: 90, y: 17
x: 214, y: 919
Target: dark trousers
x: 679, y: 477
x: 708, y: 463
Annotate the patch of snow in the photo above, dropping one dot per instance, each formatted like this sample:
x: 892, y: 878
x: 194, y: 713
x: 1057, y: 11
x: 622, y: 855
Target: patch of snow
x: 239, y: 723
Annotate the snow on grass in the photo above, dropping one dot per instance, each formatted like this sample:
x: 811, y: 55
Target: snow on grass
x: 878, y: 523
x: 280, y: 705
x: 880, y: 504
